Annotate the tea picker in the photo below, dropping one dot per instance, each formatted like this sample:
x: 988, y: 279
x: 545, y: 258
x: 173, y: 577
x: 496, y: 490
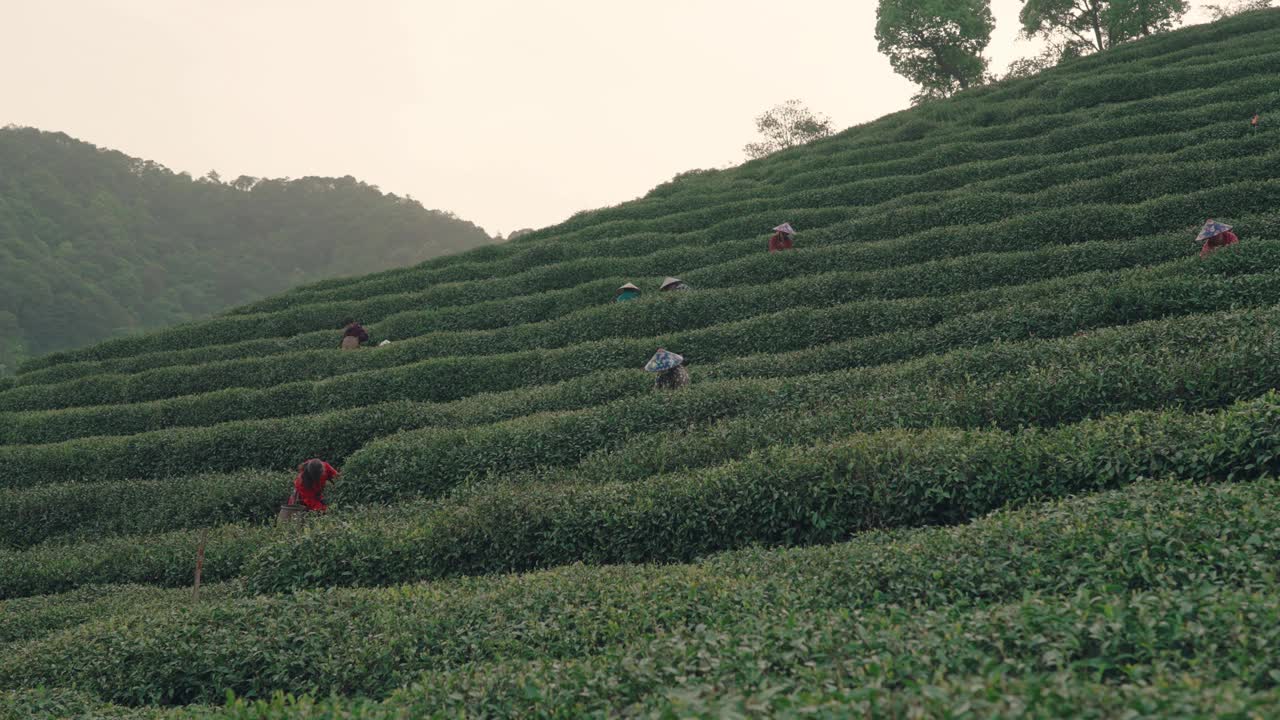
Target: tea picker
x: 353, y: 335
x: 670, y: 369
x: 1215, y: 235
x: 783, y: 238
x: 627, y: 292
x: 308, y: 489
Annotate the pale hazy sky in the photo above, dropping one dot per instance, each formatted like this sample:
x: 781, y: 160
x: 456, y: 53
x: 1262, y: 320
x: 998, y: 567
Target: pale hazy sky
x: 510, y: 113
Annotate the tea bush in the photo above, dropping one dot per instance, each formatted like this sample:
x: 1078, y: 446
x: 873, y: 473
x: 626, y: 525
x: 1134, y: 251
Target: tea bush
x: 243, y: 327
x: 545, y: 691
x: 779, y: 331
x: 784, y: 496
x: 1148, y: 365
x: 614, y: 413
x: 30, y: 618
x: 936, y: 277
x: 1156, y: 539
x: 72, y: 510
x: 162, y: 559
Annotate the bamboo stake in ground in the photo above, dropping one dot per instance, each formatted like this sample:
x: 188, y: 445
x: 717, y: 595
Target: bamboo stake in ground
x: 195, y: 590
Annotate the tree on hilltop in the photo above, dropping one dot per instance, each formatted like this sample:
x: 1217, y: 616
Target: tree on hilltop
x: 787, y: 125
x: 936, y: 44
x: 1080, y: 27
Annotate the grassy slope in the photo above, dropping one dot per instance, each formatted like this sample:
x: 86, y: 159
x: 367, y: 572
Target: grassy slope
x: 995, y: 300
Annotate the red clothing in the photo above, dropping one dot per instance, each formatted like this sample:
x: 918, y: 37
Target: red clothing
x: 1218, y: 241
x: 311, y: 498
x: 354, y: 330
x: 779, y: 241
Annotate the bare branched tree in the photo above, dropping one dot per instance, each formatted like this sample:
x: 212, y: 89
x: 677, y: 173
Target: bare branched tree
x: 787, y: 125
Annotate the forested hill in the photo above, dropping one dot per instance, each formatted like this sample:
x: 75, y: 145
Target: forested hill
x: 94, y: 243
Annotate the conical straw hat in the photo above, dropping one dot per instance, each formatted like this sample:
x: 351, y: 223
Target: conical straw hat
x: 785, y: 228
x: 669, y: 281
x: 662, y: 361
x: 1212, y: 228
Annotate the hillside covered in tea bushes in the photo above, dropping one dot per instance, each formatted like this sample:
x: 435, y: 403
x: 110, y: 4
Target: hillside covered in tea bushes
x: 992, y: 441
x: 96, y: 244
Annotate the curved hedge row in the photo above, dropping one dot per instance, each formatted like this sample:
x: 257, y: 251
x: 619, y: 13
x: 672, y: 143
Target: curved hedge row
x: 268, y: 443
x: 1063, y: 226
x: 57, y: 703
x: 69, y: 511
x: 30, y: 618
x: 1001, y: 174
x: 582, y: 688
x: 798, y: 327
x: 1142, y: 366
x: 167, y: 559
x: 993, y: 143
x: 666, y: 264
x: 1037, y: 656
x: 746, y: 225
x: 253, y: 645
x: 783, y: 496
x: 896, y: 190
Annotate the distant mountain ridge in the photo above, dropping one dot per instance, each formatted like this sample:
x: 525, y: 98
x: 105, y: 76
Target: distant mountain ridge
x: 95, y: 243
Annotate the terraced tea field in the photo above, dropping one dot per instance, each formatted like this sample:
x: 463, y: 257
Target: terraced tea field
x: 993, y: 440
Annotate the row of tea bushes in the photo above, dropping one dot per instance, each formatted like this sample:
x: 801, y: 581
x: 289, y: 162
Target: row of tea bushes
x: 852, y: 185
x: 261, y: 323
x: 778, y: 331
x: 1157, y: 539
x: 338, y: 434
x: 167, y: 559
x: 581, y: 689
x: 1146, y: 365
x: 945, y: 276
x: 31, y: 618
x: 71, y: 511
x: 781, y: 496
x: 1022, y: 384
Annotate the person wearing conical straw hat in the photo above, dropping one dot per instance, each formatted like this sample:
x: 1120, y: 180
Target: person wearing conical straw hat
x: 670, y: 369
x: 1215, y: 235
x: 673, y: 283
x: 783, y: 237
x: 627, y: 292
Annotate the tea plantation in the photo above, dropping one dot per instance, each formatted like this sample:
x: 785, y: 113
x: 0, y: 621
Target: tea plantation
x: 992, y: 441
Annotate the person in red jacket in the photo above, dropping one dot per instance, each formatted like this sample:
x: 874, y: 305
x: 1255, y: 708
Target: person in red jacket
x: 783, y: 237
x: 308, y: 487
x: 1215, y: 235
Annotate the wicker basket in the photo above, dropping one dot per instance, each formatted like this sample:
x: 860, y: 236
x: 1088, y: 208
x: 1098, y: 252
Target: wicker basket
x: 291, y: 513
